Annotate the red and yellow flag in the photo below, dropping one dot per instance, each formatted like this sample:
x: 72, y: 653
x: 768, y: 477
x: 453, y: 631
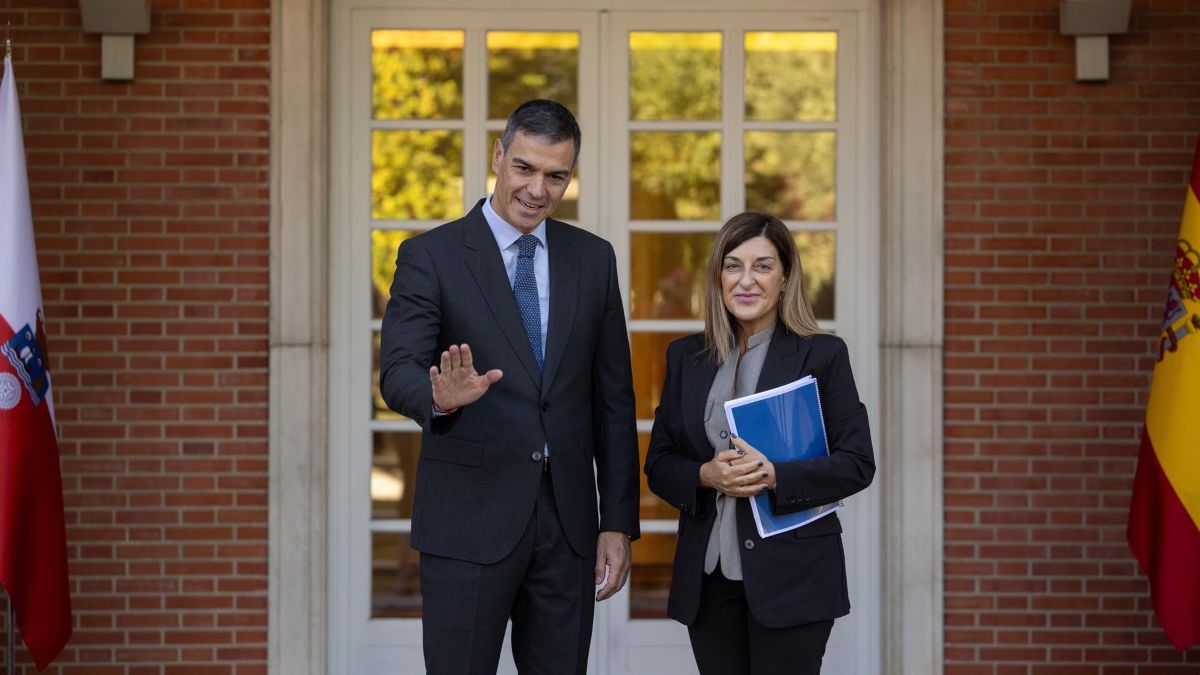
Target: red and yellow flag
x: 1164, y: 515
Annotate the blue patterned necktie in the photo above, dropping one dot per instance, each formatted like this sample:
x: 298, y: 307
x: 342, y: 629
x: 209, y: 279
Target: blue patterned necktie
x: 525, y: 290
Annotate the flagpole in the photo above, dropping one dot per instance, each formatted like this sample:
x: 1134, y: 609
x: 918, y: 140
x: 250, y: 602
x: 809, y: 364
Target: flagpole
x: 10, y: 631
x: 8, y: 34
x: 11, y: 652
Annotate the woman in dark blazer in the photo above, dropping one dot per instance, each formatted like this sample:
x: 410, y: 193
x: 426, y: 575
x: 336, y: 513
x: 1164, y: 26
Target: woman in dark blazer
x: 753, y: 604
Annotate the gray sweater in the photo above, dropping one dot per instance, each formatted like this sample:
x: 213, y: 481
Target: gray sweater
x: 737, y: 377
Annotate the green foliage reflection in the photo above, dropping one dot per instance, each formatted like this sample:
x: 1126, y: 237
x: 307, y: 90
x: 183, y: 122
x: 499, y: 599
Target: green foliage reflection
x: 384, y: 245
x: 674, y: 76
x: 417, y: 74
x: 416, y: 175
x: 675, y: 175
x: 790, y: 174
x: 791, y: 76
x: 524, y: 66
x: 818, y: 257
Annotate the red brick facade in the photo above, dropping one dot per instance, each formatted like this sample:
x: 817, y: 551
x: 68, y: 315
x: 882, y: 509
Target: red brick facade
x: 150, y: 205
x: 1062, y: 206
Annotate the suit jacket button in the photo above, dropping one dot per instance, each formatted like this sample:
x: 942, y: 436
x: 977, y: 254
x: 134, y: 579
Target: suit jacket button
x: 545, y: 406
x: 749, y: 544
x: 536, y: 456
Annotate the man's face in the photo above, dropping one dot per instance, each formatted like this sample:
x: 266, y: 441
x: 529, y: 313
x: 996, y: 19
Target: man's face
x: 531, y: 178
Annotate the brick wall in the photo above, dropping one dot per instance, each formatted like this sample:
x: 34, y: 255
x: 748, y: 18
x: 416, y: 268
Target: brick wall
x: 151, y: 211
x: 1062, y: 206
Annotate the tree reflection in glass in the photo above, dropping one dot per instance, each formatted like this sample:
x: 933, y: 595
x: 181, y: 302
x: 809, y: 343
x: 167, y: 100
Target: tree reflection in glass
x: 675, y: 175
x: 668, y: 274
x: 416, y: 175
x: 526, y: 65
x: 791, y: 76
x: 417, y: 74
x: 790, y: 174
x: 818, y: 257
x: 384, y: 245
x: 674, y: 76
x: 649, y: 356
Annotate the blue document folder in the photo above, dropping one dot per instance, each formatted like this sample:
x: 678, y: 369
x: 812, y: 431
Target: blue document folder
x: 786, y: 425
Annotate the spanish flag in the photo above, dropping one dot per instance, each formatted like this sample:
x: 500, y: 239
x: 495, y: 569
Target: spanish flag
x: 1164, y: 515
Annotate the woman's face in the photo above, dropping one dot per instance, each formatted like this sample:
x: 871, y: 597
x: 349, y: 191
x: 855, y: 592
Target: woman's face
x: 751, y: 282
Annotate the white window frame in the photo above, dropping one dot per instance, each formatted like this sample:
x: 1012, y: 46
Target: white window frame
x: 305, y: 170
x: 644, y: 640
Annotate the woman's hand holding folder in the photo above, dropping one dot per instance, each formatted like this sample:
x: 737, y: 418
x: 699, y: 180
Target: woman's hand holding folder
x: 738, y: 472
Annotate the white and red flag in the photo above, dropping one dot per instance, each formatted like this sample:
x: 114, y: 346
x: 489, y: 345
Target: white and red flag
x: 33, y: 542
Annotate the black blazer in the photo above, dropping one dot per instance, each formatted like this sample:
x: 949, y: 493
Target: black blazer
x: 479, y: 468
x: 792, y: 578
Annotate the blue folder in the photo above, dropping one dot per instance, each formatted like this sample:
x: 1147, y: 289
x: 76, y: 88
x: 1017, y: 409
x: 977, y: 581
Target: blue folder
x: 786, y: 425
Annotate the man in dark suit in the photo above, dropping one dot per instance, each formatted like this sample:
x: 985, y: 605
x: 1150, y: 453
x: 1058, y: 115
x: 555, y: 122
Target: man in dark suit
x: 504, y: 338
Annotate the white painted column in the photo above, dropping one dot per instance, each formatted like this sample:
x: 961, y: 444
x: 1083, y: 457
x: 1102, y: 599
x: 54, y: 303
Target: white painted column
x: 299, y: 340
x: 910, y: 450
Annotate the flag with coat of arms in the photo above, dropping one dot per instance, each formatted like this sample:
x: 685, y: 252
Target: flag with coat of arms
x: 33, y: 546
x: 1164, y: 512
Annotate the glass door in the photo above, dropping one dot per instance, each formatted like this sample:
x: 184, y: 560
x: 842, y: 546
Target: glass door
x: 688, y: 118
x: 429, y: 95
x: 708, y: 115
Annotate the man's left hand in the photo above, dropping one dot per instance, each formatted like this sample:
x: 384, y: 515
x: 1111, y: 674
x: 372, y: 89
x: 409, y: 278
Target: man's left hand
x: 613, y: 554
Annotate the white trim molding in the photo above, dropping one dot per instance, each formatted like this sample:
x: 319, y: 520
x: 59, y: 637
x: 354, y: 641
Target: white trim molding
x: 298, y: 503
x: 911, y: 346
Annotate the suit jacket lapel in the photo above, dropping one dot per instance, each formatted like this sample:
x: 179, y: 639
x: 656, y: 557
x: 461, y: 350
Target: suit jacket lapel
x: 699, y: 371
x: 487, y: 269
x: 564, y: 297
x: 785, y: 360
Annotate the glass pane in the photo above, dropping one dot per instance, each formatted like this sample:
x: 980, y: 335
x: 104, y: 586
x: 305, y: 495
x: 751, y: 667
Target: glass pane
x: 790, y: 174
x: 650, y: 579
x: 675, y: 175
x: 416, y: 175
x: 568, y: 208
x: 524, y: 66
x: 417, y: 74
x: 379, y: 409
x: 384, y: 244
x: 668, y: 274
x: 650, y: 507
x: 818, y: 258
x: 674, y: 76
x: 393, y: 473
x: 791, y: 76
x: 649, y: 368
x: 395, y: 585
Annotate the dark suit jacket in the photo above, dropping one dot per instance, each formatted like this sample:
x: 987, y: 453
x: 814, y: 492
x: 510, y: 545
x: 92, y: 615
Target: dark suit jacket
x: 792, y: 578
x: 480, y: 468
